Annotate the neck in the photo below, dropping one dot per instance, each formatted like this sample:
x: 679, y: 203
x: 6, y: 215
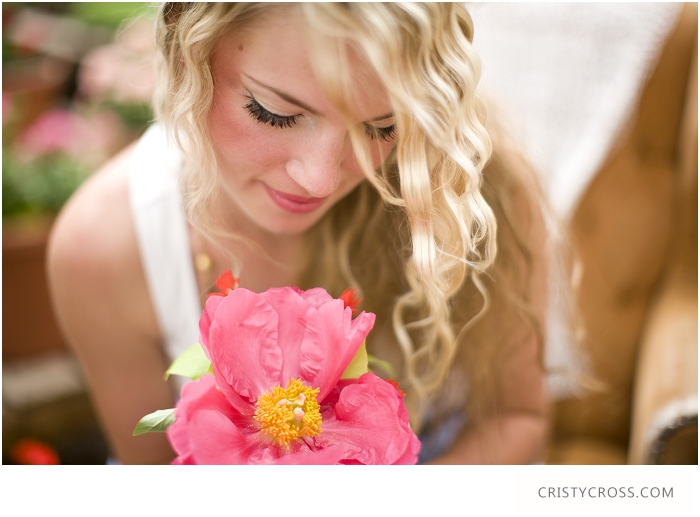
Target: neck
x: 261, y: 259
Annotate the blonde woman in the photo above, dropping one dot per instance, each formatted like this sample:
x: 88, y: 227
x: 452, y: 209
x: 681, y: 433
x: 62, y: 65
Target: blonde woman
x: 317, y: 145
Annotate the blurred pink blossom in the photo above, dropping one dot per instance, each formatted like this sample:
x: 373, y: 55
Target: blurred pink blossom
x: 123, y: 71
x: 91, y: 139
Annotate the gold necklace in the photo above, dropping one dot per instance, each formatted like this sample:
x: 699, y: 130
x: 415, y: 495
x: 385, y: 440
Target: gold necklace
x: 202, y: 261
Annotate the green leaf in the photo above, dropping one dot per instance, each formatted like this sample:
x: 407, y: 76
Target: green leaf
x: 192, y: 363
x: 384, y: 365
x: 358, y: 365
x: 157, y: 422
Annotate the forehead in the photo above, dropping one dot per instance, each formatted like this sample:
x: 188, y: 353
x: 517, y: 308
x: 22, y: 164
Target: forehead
x: 274, y: 50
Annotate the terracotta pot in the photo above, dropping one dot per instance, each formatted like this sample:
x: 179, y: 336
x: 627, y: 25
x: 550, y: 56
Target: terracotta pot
x: 28, y: 324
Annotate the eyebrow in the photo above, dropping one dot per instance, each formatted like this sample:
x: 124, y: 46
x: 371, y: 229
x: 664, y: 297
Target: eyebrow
x: 383, y: 117
x: 288, y: 98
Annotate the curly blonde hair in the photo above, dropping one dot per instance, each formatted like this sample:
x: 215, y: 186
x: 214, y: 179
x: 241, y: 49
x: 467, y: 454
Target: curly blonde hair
x: 418, y: 235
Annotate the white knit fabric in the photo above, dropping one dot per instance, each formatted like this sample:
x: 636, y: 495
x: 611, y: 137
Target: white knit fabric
x: 566, y: 77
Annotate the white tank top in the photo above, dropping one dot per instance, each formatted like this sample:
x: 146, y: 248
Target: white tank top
x: 163, y: 239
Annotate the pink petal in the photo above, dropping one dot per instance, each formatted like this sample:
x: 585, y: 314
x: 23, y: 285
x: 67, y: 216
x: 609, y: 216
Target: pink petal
x: 205, y: 321
x: 207, y: 430
x: 178, y: 435
x: 293, y: 311
x: 329, y: 456
x: 316, y: 297
x: 202, y: 393
x: 217, y: 441
x: 243, y: 344
x: 371, y: 424
x: 332, y: 339
x: 244, y: 406
x: 265, y: 454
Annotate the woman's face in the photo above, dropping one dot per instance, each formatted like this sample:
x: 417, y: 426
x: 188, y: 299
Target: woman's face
x: 282, y: 148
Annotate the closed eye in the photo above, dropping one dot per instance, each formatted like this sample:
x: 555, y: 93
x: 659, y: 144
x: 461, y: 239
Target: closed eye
x: 264, y: 116
x: 384, y: 134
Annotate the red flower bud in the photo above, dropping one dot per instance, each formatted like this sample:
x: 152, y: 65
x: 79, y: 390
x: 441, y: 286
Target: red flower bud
x: 349, y: 299
x: 396, y: 385
x: 226, y: 283
x: 33, y: 452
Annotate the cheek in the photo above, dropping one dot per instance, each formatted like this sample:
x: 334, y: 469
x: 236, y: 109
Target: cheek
x: 379, y: 151
x: 353, y: 173
x: 383, y: 150
x: 241, y: 143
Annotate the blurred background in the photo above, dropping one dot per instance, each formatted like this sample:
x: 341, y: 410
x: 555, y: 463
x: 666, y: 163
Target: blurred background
x: 76, y: 86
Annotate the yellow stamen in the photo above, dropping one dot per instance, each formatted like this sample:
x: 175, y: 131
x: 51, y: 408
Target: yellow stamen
x: 287, y: 414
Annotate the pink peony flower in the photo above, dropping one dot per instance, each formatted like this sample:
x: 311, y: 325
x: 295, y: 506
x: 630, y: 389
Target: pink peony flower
x: 277, y: 396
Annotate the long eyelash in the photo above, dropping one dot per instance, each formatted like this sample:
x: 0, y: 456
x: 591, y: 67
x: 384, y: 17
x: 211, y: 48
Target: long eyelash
x: 382, y: 133
x: 265, y: 117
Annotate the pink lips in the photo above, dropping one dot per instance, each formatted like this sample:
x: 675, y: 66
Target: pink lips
x: 294, y: 204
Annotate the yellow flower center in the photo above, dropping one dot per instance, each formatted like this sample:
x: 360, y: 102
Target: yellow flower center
x: 287, y: 414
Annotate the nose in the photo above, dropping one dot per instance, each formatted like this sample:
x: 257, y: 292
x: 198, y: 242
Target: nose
x: 317, y: 165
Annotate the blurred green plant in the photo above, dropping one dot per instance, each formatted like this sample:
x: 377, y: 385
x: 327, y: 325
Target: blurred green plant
x: 8, y: 50
x: 135, y: 116
x: 111, y: 14
x: 41, y: 185
x: 43, y: 181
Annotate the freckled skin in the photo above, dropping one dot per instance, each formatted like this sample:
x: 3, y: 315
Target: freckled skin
x: 311, y: 159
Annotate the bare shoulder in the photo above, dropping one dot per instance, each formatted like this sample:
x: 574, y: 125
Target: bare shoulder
x: 96, y: 217
x: 93, y: 254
